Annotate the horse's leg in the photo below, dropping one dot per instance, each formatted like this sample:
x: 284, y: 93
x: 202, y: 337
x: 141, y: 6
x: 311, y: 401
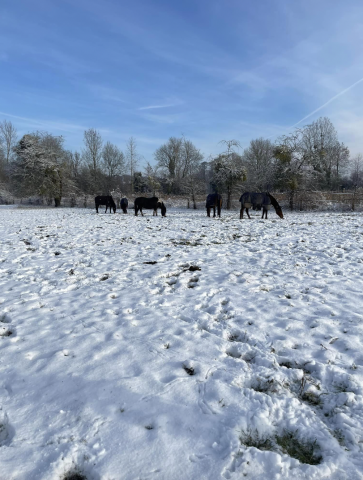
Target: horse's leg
x: 219, y: 210
x: 248, y: 215
x: 208, y: 211
x: 96, y: 208
x: 136, y: 210
x: 214, y: 211
x: 141, y: 212
x: 241, y: 213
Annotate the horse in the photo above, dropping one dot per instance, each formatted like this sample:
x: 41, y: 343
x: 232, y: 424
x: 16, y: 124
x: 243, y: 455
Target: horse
x: 214, y: 200
x: 257, y: 201
x: 124, y: 204
x: 149, y: 203
x: 105, y: 200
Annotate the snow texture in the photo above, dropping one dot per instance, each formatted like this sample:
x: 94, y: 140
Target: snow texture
x: 182, y: 347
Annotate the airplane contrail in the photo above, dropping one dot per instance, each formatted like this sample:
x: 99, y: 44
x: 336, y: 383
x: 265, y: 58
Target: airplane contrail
x: 329, y: 101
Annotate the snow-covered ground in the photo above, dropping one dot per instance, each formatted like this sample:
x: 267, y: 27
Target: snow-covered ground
x: 165, y: 348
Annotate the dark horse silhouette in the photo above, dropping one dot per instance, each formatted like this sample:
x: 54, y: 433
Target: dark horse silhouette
x: 214, y: 200
x: 257, y: 201
x: 149, y: 203
x: 124, y: 204
x: 105, y: 200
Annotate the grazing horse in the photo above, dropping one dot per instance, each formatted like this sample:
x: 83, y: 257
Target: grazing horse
x: 214, y: 200
x: 105, y: 200
x: 257, y: 201
x: 149, y: 203
x: 124, y: 204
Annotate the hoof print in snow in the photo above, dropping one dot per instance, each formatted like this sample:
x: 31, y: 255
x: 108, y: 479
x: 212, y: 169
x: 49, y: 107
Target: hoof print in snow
x: 233, y: 352
x: 57, y: 253
x: 6, y: 331
x: 194, y: 268
x: 149, y: 427
x: 74, y: 475
x: 189, y: 370
x: 104, y: 277
x: 150, y: 263
x: 6, y: 431
x: 4, y: 318
x: 71, y: 272
x: 4, y: 434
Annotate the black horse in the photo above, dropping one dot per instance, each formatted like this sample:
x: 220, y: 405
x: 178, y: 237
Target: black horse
x: 124, y: 204
x: 149, y: 203
x: 214, y: 200
x: 105, y: 200
x: 257, y: 201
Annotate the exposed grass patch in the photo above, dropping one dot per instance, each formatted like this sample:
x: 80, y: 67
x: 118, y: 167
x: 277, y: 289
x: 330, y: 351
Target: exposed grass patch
x: 263, y: 385
x: 339, y: 435
x: 311, y: 397
x: 252, y: 438
x: 306, y: 451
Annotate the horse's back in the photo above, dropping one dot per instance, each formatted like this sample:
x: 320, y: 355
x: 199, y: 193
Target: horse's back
x: 261, y: 200
x: 104, y: 199
x: 213, y: 199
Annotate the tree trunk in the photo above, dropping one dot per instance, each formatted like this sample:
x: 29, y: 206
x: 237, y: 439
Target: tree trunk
x: 229, y: 194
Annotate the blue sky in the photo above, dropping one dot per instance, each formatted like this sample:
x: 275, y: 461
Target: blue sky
x: 208, y: 69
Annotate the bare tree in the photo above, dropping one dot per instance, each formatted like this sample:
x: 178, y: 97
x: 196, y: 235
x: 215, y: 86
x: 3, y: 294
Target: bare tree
x: 152, y: 181
x: 8, y: 137
x: 132, y: 160
x: 168, y: 158
x: 92, y: 154
x: 356, y: 175
x: 325, y: 154
x: 113, y: 163
x: 191, y: 179
x: 293, y: 170
x: 260, y: 163
x: 228, y: 169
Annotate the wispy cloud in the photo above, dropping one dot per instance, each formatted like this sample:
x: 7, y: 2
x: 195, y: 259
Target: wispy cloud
x: 46, y: 124
x: 168, y: 105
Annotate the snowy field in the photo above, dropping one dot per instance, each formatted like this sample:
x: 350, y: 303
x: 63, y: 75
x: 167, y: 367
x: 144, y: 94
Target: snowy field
x: 183, y: 347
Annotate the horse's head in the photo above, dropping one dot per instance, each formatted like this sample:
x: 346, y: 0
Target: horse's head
x: 279, y: 212
x: 163, y: 209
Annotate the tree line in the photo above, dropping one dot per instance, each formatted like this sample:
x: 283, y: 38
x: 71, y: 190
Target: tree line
x: 310, y: 158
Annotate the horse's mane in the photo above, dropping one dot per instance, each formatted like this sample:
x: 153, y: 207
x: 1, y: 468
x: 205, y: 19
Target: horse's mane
x: 274, y: 202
